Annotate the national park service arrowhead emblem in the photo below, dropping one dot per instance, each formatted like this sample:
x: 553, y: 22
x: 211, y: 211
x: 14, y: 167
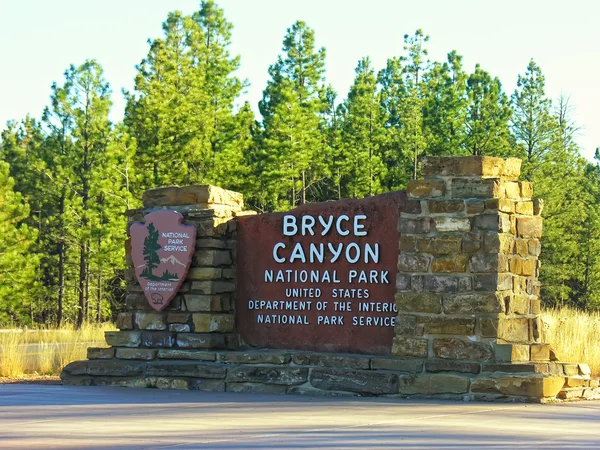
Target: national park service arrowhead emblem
x: 162, y: 250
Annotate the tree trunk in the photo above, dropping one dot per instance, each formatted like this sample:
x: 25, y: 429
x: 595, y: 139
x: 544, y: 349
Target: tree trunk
x: 81, y: 285
x: 61, y: 260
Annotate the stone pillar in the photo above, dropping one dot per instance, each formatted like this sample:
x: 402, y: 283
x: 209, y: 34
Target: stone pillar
x: 468, y: 264
x: 201, y: 316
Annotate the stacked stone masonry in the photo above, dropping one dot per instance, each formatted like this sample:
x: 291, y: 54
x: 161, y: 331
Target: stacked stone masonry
x: 467, y: 285
x: 202, y: 314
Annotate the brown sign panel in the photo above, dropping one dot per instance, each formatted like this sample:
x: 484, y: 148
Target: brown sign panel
x: 162, y: 250
x: 320, y: 277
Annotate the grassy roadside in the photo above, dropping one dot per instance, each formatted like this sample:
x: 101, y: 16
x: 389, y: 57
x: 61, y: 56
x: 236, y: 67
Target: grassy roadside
x: 53, y: 349
x: 575, y: 335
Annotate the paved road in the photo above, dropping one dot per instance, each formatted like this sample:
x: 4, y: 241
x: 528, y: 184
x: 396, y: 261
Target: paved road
x: 34, y: 416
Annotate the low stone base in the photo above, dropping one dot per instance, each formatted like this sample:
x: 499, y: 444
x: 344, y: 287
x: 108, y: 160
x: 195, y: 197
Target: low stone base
x: 280, y: 372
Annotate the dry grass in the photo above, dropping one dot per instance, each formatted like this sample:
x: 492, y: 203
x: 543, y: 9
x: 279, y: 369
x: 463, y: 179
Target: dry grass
x: 46, y: 352
x: 575, y: 335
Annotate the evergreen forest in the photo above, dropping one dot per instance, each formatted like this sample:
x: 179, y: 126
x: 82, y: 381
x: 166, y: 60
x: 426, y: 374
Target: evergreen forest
x: 67, y: 175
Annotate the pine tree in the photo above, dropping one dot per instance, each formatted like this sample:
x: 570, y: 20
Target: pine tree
x: 445, y: 107
x: 362, y: 130
x: 182, y: 107
x: 488, y: 116
x: 150, y: 252
x: 17, y: 265
x: 532, y: 121
x: 294, y: 152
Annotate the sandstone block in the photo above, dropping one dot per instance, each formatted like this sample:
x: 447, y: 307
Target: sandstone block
x: 519, y: 304
x: 431, y: 384
x: 469, y: 188
x: 452, y: 224
x: 212, y: 257
x: 402, y: 282
x: 445, y: 206
x: 184, y: 369
x: 192, y: 195
x: 535, y: 247
x: 540, y: 352
x: 254, y: 358
x: 493, y: 282
x: 471, y: 242
x: 500, y: 204
x: 125, y: 321
x: 287, y: 376
x: 113, y: 368
x: 522, y: 266
x: 438, y: 245
x: 420, y: 225
x: 488, y: 327
x: 198, y: 355
x: 538, y: 206
x: 474, y: 166
x: 570, y: 370
x: 407, y: 244
x: 123, y: 338
x: 136, y: 353
x: 398, y: 365
x: 512, y: 352
x: 529, y: 227
x: 452, y: 348
x: 150, y: 321
x: 157, y: 339
x: 534, y: 386
x: 406, y: 325
x: 488, y: 263
x: 425, y: 188
x: 514, y: 330
x: 213, y: 287
x: 204, y: 341
x: 374, y: 383
x: 425, y: 302
x: 411, y: 207
x: 452, y: 366
x: 321, y: 360
x: 411, y: 347
x: 522, y: 247
x: 100, y: 353
x: 525, y: 208
x: 213, y: 323
x: 584, y: 369
x: 474, y: 206
x: 535, y: 306
x: 204, y: 273
x: 515, y: 367
x: 448, y: 264
x: 206, y: 242
x: 526, y: 189
x: 449, y: 325
x: 498, y: 243
x: 197, y: 303
x: 179, y: 328
x: 441, y: 283
x: 176, y: 317
x: 513, y: 190
x: 473, y: 302
x: 413, y: 262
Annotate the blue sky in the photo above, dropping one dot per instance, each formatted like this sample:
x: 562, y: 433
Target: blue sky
x: 41, y: 38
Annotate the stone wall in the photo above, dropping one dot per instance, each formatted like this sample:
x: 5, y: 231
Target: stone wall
x: 468, y: 264
x: 202, y: 314
x: 468, y: 325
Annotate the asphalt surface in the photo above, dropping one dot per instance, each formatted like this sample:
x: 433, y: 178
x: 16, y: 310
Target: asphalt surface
x: 67, y: 417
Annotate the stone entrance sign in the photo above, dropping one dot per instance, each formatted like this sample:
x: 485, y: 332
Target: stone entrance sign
x: 162, y: 249
x: 320, y: 277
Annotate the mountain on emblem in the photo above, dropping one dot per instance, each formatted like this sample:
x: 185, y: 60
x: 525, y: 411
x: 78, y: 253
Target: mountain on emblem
x: 162, y: 251
x: 171, y: 259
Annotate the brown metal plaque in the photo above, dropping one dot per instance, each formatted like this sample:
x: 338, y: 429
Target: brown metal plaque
x: 162, y: 250
x: 320, y: 277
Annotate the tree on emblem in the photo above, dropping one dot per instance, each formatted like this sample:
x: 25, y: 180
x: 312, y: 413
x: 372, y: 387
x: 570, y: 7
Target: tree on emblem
x: 151, y: 248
